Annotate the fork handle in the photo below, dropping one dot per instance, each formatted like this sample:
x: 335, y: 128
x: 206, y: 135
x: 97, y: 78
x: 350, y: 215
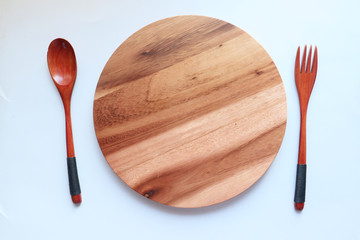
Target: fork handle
x: 300, y: 186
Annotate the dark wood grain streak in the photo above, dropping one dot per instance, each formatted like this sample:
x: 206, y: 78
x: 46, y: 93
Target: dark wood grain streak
x: 219, y: 166
x: 117, y: 116
x: 166, y: 52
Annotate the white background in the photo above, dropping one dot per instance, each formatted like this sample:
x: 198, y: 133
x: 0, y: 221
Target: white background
x: 34, y: 194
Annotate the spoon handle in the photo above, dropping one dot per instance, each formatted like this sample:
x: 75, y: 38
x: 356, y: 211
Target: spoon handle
x: 74, y: 183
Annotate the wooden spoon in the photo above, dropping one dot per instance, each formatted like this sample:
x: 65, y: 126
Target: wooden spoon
x: 62, y: 66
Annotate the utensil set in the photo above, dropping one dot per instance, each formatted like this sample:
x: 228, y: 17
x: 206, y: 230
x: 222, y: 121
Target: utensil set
x: 62, y: 66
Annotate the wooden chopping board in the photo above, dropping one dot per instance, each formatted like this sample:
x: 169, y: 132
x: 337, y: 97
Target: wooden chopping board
x: 190, y: 111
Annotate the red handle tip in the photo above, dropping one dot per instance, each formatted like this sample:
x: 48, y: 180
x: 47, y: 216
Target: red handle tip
x: 299, y: 206
x: 76, y: 199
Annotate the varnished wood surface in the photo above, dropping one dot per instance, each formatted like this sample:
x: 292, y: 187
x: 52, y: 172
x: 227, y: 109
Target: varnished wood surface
x: 62, y: 66
x: 190, y: 111
x: 304, y: 79
x: 63, y: 69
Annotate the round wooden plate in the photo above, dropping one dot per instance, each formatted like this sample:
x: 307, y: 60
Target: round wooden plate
x: 190, y: 111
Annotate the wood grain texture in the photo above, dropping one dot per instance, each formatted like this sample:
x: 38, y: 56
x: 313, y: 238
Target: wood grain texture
x: 190, y: 111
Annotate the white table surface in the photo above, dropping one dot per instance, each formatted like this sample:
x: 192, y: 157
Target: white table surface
x: 34, y: 194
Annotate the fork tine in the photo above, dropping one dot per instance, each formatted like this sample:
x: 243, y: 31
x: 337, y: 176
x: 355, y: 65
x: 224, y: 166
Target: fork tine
x: 315, y: 62
x: 303, y: 61
x: 297, y: 61
x: 308, y: 65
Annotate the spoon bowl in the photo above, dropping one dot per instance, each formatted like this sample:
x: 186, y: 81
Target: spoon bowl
x: 62, y: 63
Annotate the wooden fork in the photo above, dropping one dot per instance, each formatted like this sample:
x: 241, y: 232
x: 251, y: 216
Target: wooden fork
x: 305, y: 79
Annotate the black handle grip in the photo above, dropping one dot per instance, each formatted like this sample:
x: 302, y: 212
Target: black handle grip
x: 73, y: 177
x: 300, y: 183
